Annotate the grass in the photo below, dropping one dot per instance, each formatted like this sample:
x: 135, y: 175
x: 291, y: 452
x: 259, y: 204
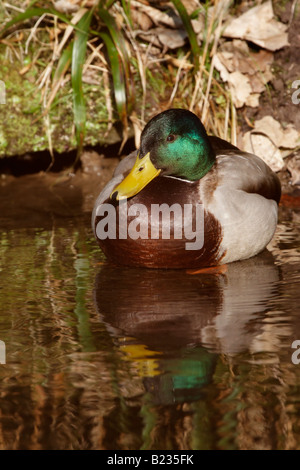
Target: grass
x: 138, y: 80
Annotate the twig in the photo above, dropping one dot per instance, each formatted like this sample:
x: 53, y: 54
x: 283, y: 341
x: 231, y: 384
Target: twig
x: 233, y: 123
x: 32, y: 32
x: 292, y: 12
x: 13, y: 7
x: 226, y: 120
x: 177, y: 78
x: 213, y: 54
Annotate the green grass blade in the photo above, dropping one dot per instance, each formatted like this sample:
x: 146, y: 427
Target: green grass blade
x: 31, y: 13
x: 115, y: 33
x: 108, y: 4
x: 78, y: 59
x: 189, y: 29
x: 62, y: 67
x: 117, y: 76
x: 119, y: 43
x: 63, y: 63
x: 127, y: 11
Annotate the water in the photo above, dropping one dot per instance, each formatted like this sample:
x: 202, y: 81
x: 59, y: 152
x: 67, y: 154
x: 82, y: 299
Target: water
x: 102, y: 357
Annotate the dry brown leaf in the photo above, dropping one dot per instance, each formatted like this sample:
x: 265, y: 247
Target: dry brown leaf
x: 71, y: 6
x: 259, y: 26
x: 284, y: 138
x: 170, y: 19
x: 152, y: 37
x: 244, y: 69
x: 290, y: 137
x: 239, y: 85
x: 257, y: 84
x: 267, y: 138
x: 67, y: 6
x: 158, y: 17
x: 240, y: 88
x: 170, y: 38
x: 198, y: 26
x: 262, y: 60
x: 293, y: 165
x: 141, y: 20
x: 253, y: 100
x: 264, y: 148
x: 191, y: 5
x: 221, y: 68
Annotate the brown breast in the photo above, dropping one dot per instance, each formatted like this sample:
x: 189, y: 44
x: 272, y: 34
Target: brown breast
x: 162, y: 252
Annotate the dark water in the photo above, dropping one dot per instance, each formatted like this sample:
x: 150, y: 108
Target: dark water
x: 102, y: 357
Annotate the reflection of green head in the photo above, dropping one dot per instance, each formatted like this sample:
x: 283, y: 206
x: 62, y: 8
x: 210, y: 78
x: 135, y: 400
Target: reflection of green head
x: 178, y: 144
x: 183, y: 377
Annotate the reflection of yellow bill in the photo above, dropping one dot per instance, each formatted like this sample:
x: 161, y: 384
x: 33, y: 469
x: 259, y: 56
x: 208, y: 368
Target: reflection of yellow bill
x: 142, y: 172
x: 139, y: 354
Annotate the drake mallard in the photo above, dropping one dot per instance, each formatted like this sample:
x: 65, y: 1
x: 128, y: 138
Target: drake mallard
x: 179, y: 164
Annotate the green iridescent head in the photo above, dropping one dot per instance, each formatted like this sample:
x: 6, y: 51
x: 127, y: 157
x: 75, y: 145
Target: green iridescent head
x: 178, y: 144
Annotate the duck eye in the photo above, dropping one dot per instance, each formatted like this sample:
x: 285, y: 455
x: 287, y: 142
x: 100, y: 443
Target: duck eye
x: 171, y: 138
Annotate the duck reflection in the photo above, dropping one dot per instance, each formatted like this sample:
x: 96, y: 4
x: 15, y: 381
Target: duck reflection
x: 173, y: 324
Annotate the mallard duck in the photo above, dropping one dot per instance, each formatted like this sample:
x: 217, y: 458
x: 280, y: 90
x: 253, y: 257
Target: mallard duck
x: 213, y: 203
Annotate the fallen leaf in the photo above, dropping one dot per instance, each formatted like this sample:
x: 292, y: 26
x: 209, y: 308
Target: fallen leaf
x: 171, y: 38
x: 141, y: 20
x: 67, y: 6
x: 221, y: 68
x: 239, y: 85
x: 159, y: 17
x: 240, y: 88
x: 151, y: 37
x: 284, y: 138
x: 257, y: 84
x: 190, y: 5
x: 293, y: 166
x: 290, y: 138
x: 264, y: 148
x: 236, y: 56
x: 253, y: 100
x: 259, y: 26
x: 266, y: 139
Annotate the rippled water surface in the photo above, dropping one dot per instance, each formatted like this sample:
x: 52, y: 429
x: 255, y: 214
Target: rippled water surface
x: 103, y: 357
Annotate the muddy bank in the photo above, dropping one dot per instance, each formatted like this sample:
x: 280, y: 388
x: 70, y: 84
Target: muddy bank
x: 33, y: 200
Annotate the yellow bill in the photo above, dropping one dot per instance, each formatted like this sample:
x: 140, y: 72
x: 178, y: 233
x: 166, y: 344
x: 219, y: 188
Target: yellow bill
x: 142, y: 172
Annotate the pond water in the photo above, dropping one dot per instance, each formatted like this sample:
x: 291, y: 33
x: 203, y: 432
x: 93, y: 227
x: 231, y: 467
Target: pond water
x: 103, y: 357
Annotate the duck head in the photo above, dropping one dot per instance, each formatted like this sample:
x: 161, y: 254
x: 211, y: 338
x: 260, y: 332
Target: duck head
x: 173, y: 143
